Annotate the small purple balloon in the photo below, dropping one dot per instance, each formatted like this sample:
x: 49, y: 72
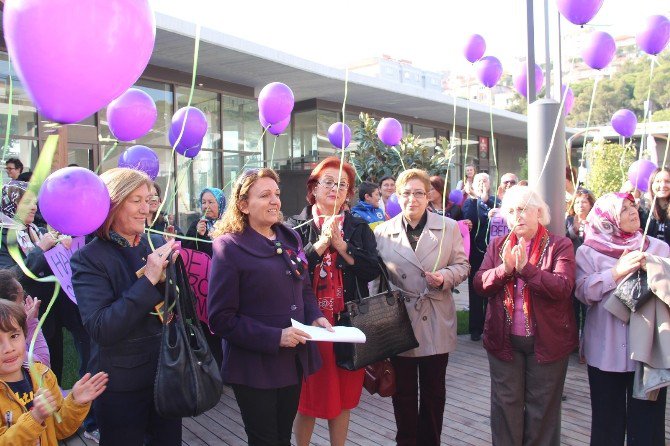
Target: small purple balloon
x: 599, y: 50
x: 389, y: 131
x: 392, y: 206
x: 275, y: 129
x: 195, y: 130
x: 639, y: 173
x: 474, y: 48
x: 569, y: 100
x: 335, y: 135
x: 489, y: 69
x: 655, y: 35
x: 103, y: 46
x: 275, y: 102
x: 624, y: 122
x: 521, y: 79
x: 456, y: 196
x: 579, y: 12
x: 141, y: 158
x: 74, y: 201
x: 131, y: 115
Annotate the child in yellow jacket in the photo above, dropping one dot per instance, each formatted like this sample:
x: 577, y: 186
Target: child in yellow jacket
x: 27, y: 411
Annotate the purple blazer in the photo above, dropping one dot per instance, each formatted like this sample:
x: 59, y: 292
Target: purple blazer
x: 252, y: 296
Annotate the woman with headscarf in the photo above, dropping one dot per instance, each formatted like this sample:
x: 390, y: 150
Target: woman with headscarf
x: 610, y: 253
x: 212, y: 203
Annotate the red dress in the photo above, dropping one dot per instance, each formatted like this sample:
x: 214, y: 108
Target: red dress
x: 330, y: 390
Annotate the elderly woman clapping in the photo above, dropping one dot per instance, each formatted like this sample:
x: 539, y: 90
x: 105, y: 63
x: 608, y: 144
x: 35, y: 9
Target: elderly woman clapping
x: 530, y: 325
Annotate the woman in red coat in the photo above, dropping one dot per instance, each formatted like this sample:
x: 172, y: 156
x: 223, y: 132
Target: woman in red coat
x: 530, y: 330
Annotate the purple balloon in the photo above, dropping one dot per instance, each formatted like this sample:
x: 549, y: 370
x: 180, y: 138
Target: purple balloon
x: 489, y: 69
x: 194, y: 130
x: 335, y: 135
x: 131, y: 115
x: 579, y: 12
x: 456, y: 196
x: 275, y: 129
x: 389, y: 131
x: 521, y: 79
x: 624, y: 122
x: 599, y: 50
x: 392, y: 206
x: 74, y: 201
x: 569, y: 100
x: 639, y: 173
x: 141, y: 158
x: 275, y: 102
x: 475, y: 47
x: 655, y: 36
x: 99, y: 49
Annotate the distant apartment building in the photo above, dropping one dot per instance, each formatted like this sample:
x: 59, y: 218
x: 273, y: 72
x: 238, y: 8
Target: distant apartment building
x: 398, y: 70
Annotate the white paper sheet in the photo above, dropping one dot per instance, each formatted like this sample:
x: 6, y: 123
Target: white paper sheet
x: 341, y: 334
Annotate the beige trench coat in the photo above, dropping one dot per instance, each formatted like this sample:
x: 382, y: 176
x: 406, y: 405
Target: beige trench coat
x: 432, y: 311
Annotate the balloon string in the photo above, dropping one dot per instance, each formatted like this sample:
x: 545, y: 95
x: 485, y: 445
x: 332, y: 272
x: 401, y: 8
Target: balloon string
x: 647, y: 109
x: 344, y: 105
x: 5, y: 148
x: 399, y: 156
x: 107, y: 155
x: 444, y: 207
x: 493, y: 142
x: 272, y: 158
x: 588, y: 119
x: 176, y: 236
x: 467, y: 128
x: 183, y: 124
x: 653, y: 201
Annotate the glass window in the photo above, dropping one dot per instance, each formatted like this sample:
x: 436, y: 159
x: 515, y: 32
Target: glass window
x: 324, y: 119
x: 278, y: 150
x: 305, y: 143
x: 426, y: 135
x: 192, y: 177
x: 208, y: 103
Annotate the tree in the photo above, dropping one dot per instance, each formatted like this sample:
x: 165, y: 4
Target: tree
x: 609, y: 167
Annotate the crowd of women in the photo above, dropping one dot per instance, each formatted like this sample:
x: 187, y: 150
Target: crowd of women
x: 535, y: 297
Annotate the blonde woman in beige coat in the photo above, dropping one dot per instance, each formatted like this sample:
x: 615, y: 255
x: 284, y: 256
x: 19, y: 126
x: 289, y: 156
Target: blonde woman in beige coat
x: 423, y: 252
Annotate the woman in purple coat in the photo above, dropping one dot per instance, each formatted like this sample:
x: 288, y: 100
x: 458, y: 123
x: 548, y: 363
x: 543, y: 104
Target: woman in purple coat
x: 258, y: 282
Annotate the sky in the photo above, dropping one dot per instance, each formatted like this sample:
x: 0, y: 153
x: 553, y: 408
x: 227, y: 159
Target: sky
x: 430, y: 33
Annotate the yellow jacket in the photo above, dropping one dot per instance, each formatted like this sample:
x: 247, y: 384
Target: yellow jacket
x: 24, y: 430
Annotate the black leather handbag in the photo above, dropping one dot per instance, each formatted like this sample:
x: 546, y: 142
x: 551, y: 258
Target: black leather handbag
x: 384, y: 320
x: 188, y: 381
x: 634, y: 291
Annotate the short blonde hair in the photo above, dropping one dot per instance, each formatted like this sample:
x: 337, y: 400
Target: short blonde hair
x: 120, y: 182
x: 524, y: 196
x: 234, y: 220
x: 412, y: 174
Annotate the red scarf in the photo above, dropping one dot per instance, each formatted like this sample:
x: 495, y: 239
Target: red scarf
x: 537, y: 250
x: 327, y: 284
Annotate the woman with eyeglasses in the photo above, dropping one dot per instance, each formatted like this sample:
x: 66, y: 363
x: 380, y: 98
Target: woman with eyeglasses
x: 161, y: 223
x: 342, y: 259
x: 424, y: 255
x: 212, y: 203
x: 261, y: 284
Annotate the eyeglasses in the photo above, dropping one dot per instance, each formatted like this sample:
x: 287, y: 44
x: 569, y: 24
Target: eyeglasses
x: 512, y: 182
x: 11, y: 168
x: 328, y: 184
x: 154, y: 199
x: 418, y: 194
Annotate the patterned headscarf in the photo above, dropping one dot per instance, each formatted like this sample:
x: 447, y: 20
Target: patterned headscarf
x: 603, y: 231
x: 12, y: 193
x: 220, y: 198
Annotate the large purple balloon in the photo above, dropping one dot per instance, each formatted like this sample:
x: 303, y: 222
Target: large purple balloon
x: 655, y: 35
x: 141, y: 158
x: 131, y: 115
x: 275, y: 102
x: 521, y: 79
x: 389, y: 131
x: 475, y: 47
x: 275, y: 129
x: 456, y: 196
x: 489, y: 69
x: 392, y: 206
x: 639, y: 173
x: 624, y: 122
x: 579, y: 12
x: 569, y: 100
x: 74, y: 57
x: 599, y: 50
x: 335, y: 135
x: 194, y: 130
x: 74, y: 201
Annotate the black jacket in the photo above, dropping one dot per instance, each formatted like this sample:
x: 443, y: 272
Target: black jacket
x: 115, y: 306
x: 204, y: 246
x: 646, y: 214
x: 361, y: 245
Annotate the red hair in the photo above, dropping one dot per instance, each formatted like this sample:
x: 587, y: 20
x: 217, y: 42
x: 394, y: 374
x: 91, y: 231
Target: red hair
x: 315, y: 176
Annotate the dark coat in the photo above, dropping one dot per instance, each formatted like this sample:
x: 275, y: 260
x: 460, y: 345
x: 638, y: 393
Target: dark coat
x: 252, y: 297
x: 204, y: 246
x: 477, y: 211
x: 361, y: 245
x: 551, y: 287
x: 647, y: 214
x: 115, y: 308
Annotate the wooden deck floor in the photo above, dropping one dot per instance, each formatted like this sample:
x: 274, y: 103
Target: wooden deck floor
x: 466, y: 416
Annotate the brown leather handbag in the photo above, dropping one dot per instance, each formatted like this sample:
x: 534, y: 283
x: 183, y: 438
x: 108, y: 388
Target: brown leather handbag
x: 380, y: 378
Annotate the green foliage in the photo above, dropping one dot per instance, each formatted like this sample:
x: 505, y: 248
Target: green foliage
x: 661, y: 115
x: 609, y: 167
x: 374, y: 160
x: 523, y: 167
